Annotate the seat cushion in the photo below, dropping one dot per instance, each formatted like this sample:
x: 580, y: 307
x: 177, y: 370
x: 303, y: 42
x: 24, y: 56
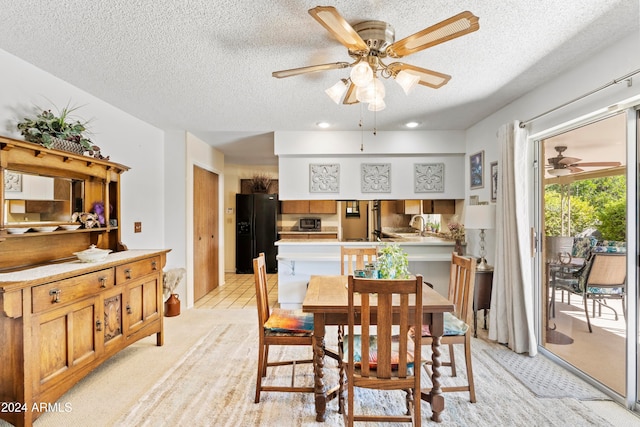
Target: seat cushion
x: 452, y: 326
x: 605, y: 291
x: 373, y: 351
x: 582, y: 246
x: 289, y: 321
x: 611, y: 246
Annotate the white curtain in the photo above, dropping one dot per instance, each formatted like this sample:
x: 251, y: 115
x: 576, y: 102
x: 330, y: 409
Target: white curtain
x: 512, y: 315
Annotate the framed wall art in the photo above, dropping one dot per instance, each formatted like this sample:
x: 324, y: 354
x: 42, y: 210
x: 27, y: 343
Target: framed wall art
x: 476, y: 170
x: 375, y: 177
x: 494, y: 181
x: 12, y: 181
x: 428, y: 177
x: 324, y: 178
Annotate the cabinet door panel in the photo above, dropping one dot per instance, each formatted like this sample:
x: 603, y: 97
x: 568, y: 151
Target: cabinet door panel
x: 323, y: 206
x: 134, y: 307
x: 143, y: 303
x: 63, y: 341
x: 294, y: 206
x: 113, y: 303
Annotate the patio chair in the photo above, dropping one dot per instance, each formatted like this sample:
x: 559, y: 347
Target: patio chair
x: 605, y: 278
x: 382, y: 360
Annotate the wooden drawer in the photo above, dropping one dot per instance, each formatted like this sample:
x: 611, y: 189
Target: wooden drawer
x: 64, y: 291
x: 136, y: 269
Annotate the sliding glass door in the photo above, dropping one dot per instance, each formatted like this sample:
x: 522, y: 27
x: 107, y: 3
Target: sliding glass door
x: 583, y: 212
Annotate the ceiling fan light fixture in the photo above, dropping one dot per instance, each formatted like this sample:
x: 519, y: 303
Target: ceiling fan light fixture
x: 336, y: 91
x: 369, y: 93
x: 407, y: 81
x: 377, y: 105
x: 559, y: 172
x: 361, y: 74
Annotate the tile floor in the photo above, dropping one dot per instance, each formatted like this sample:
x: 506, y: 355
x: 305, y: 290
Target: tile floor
x: 238, y: 291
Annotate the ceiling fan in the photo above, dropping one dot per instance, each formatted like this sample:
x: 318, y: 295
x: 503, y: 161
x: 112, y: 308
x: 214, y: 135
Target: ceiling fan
x: 561, y: 165
x: 368, y: 43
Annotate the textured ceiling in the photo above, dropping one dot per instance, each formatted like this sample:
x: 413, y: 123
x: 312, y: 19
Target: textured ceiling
x: 205, y: 66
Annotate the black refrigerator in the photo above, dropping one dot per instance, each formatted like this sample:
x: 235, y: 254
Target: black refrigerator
x: 256, y: 230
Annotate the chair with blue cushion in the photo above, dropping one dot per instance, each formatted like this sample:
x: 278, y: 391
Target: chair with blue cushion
x: 278, y: 327
x: 385, y: 359
x: 456, y: 325
x: 604, y: 279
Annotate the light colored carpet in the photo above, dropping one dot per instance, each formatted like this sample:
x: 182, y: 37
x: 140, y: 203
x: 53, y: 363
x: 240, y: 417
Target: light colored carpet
x: 204, y: 375
x: 544, y: 378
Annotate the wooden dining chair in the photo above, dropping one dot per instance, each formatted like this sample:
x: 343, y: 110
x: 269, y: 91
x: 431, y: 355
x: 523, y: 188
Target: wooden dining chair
x: 350, y: 256
x: 456, y: 325
x: 383, y: 360
x: 278, y: 327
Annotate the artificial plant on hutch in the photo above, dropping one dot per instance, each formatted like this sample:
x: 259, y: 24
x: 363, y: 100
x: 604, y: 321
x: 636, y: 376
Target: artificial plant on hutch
x: 59, y: 131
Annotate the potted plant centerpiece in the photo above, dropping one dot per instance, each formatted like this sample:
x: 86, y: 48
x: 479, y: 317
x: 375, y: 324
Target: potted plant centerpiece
x: 59, y: 132
x: 393, y: 262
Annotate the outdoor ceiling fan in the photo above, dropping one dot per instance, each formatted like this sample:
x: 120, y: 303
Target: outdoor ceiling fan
x: 368, y: 43
x: 561, y: 165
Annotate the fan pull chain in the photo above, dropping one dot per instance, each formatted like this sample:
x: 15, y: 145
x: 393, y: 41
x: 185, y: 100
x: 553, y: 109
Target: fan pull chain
x: 361, y: 130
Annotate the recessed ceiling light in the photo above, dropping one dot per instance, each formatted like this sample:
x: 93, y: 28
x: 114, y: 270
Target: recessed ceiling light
x: 412, y: 124
x: 323, y: 125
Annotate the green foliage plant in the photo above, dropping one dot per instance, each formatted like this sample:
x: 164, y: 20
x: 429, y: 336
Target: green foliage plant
x: 614, y: 221
x: 393, y: 262
x: 46, y: 125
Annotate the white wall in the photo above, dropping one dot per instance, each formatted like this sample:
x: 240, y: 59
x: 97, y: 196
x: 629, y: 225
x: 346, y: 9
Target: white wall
x: 601, y: 68
x: 403, y: 149
x: 126, y: 139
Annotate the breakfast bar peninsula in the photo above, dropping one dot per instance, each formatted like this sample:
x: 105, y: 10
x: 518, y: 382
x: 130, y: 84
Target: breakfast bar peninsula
x: 299, y: 259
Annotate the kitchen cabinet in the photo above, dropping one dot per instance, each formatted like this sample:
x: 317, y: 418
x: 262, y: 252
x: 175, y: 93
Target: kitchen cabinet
x: 439, y: 206
x: 308, y: 207
x: 408, y: 207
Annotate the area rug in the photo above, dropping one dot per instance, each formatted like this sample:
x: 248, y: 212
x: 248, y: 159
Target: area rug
x: 214, y: 384
x: 544, y: 378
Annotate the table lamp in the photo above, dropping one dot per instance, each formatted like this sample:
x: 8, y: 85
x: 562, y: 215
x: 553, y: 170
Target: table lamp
x: 480, y: 217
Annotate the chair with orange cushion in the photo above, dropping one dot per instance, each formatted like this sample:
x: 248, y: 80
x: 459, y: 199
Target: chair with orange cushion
x: 278, y: 327
x: 383, y: 360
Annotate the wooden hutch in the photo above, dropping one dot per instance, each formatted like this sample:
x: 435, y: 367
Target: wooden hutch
x: 60, y: 318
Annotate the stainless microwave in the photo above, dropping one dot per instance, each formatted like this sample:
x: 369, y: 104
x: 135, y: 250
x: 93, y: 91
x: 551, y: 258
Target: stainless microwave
x: 309, y: 224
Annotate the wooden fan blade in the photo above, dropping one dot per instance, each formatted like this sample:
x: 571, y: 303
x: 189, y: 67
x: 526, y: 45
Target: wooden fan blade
x: 350, y: 96
x: 310, y: 69
x: 568, y: 160
x: 429, y: 78
x: 595, y: 164
x: 330, y: 19
x: 574, y: 169
x: 456, y: 26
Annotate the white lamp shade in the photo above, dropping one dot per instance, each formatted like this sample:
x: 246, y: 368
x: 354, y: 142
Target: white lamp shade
x: 407, y: 81
x: 377, y: 105
x: 480, y: 217
x: 371, y: 92
x: 361, y: 74
x: 336, y: 91
x: 559, y: 172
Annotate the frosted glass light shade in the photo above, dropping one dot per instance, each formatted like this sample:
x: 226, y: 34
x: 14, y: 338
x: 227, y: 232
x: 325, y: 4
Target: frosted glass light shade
x: 369, y: 93
x: 377, y: 105
x: 407, y: 81
x: 336, y: 91
x: 559, y: 172
x: 361, y: 74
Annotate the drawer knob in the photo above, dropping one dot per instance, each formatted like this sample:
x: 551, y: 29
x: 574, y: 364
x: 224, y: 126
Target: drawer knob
x: 103, y: 282
x: 129, y: 311
x: 154, y: 265
x: 127, y: 273
x: 98, y: 325
x: 56, y: 295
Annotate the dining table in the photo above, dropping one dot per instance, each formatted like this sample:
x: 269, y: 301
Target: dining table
x: 327, y: 299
